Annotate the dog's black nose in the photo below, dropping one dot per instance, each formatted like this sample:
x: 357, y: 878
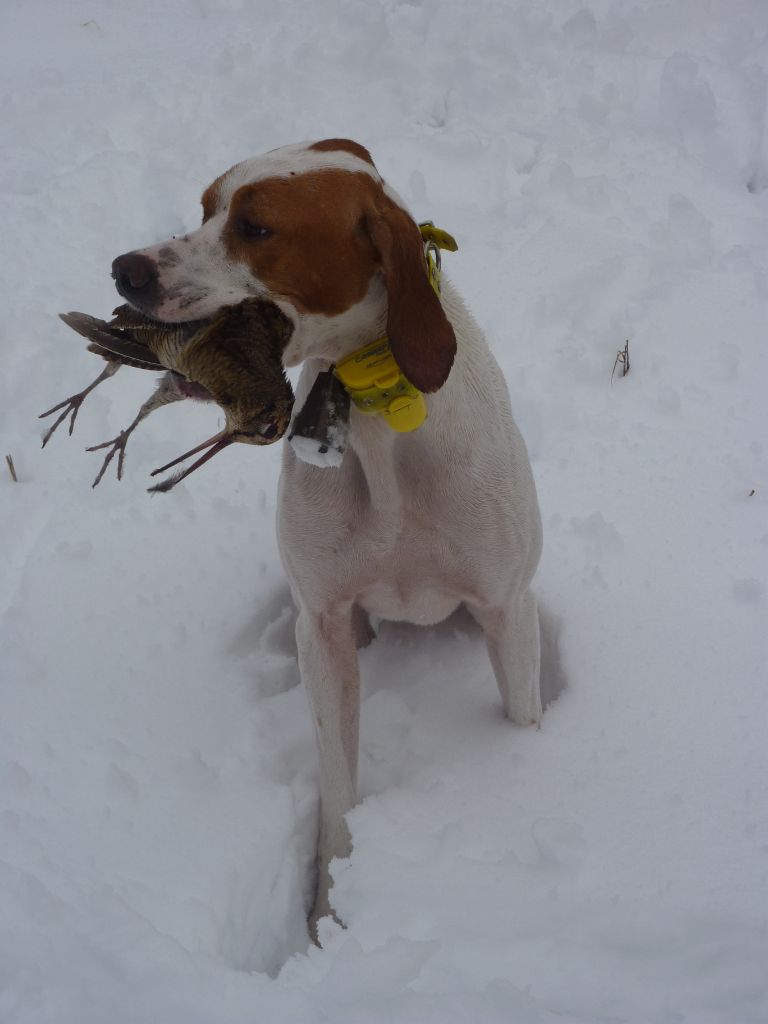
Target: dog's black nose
x: 135, y: 275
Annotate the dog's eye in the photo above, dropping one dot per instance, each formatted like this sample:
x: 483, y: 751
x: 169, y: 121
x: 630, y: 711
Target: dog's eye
x: 250, y: 229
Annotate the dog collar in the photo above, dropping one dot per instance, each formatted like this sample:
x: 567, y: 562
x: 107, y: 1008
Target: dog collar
x: 371, y: 376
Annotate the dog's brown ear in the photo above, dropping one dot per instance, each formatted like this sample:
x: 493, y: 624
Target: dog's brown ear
x: 421, y: 338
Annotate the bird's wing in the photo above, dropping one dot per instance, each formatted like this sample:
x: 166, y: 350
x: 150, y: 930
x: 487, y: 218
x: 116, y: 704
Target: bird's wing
x: 112, y: 345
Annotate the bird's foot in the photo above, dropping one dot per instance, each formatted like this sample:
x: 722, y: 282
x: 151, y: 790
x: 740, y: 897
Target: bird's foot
x: 116, y: 447
x: 70, y: 406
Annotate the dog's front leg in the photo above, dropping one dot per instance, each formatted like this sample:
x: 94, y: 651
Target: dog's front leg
x: 328, y: 663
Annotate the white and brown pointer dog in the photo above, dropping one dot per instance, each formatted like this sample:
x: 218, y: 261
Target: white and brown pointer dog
x: 411, y: 525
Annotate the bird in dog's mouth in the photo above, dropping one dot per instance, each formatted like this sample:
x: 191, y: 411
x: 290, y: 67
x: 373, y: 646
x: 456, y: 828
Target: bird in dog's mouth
x: 233, y: 359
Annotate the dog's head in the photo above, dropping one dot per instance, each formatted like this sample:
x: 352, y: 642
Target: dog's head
x: 314, y: 229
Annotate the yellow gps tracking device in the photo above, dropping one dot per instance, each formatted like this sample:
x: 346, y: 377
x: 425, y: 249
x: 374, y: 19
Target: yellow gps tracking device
x: 378, y: 386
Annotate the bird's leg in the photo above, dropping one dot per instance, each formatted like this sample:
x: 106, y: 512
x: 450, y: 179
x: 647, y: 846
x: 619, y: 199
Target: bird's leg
x: 167, y: 391
x: 73, y: 403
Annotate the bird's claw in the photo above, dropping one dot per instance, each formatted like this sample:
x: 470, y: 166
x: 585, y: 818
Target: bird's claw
x: 117, y: 444
x: 71, y: 406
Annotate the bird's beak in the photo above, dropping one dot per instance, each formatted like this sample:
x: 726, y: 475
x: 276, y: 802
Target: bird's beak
x: 215, y: 444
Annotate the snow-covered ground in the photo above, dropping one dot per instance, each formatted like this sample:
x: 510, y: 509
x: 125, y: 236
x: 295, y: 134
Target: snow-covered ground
x: 603, y: 166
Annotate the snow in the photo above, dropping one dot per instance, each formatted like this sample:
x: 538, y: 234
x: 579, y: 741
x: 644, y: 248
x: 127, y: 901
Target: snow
x: 604, y: 167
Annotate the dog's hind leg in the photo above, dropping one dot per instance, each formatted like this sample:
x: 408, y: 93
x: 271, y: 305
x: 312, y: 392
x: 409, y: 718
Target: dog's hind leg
x: 328, y: 663
x: 512, y: 637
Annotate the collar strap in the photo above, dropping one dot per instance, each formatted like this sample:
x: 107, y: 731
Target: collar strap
x: 435, y: 239
x: 370, y: 375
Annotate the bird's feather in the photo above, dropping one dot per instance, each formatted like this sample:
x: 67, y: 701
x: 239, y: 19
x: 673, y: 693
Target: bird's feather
x: 111, y: 344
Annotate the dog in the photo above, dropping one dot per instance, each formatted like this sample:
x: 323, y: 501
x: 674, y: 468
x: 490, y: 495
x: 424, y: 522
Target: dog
x: 411, y: 525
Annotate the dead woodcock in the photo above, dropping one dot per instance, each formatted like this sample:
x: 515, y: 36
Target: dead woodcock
x: 233, y: 359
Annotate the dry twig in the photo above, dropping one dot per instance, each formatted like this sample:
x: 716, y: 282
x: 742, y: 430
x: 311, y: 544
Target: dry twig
x: 622, y: 358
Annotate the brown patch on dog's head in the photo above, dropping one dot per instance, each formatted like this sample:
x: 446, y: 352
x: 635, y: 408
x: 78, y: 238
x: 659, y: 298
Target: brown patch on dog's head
x: 302, y: 238
x: 210, y: 199
x: 344, y: 146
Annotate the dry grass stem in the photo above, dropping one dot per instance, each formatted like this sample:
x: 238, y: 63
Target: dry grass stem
x: 622, y: 359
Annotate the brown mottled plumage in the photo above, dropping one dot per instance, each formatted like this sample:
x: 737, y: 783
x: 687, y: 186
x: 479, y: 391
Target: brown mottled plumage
x: 233, y: 359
